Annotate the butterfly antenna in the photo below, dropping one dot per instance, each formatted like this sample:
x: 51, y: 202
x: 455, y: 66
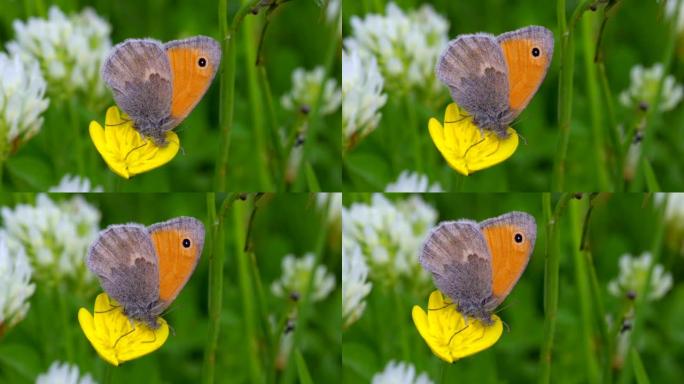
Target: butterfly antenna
x: 123, y: 121
x: 112, y: 306
x: 508, y: 327
x: 463, y: 117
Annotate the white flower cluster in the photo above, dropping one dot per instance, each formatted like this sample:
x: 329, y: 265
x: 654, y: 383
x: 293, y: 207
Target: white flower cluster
x: 406, y: 46
x: 355, y: 285
x: 413, y: 182
x: 15, y: 285
x: 22, y: 101
x: 400, y: 373
x: 54, y: 235
x: 389, y: 235
x: 64, y: 373
x: 362, y: 96
x: 633, y: 271
x: 306, y: 86
x: 295, y: 278
x: 70, y: 49
x: 644, y: 85
x: 75, y: 184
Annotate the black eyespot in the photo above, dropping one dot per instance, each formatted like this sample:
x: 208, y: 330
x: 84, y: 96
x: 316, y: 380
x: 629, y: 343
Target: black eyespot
x: 536, y: 52
x: 518, y: 238
x: 186, y: 243
x: 202, y: 62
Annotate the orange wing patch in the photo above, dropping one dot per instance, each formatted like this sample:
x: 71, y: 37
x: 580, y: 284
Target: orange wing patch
x: 509, y: 258
x: 176, y: 263
x: 192, y: 74
x: 525, y: 72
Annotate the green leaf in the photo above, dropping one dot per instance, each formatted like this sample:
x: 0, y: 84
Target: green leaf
x: 302, y: 369
x: 22, y: 359
x: 639, y: 370
x: 360, y: 359
x: 651, y: 181
x: 31, y: 172
x: 311, y: 180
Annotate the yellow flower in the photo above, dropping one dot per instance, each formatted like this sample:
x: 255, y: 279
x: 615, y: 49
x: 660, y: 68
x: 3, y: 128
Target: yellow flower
x: 445, y: 331
x: 462, y: 145
x: 112, y: 335
x: 125, y: 150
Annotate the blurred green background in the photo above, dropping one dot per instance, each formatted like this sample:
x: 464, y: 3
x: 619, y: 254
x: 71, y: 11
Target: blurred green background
x: 30, y: 347
x: 636, y: 33
x: 376, y: 338
x: 297, y: 36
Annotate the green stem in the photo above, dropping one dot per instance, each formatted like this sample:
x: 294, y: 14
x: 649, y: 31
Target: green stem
x: 413, y: 130
x: 595, y: 107
x: 107, y: 375
x: 66, y: 323
x: 78, y: 142
x: 551, y: 279
x: 615, y: 133
x: 247, y: 296
x: 273, y: 122
x: 582, y: 284
x: 401, y: 323
x: 227, y: 93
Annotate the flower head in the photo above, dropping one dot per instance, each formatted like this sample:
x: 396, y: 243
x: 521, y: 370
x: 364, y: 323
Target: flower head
x: 389, y: 235
x: 75, y: 184
x: 22, y: 102
x: 413, y: 182
x: 406, y: 46
x: 633, y: 273
x: 125, y: 150
x: 64, y: 373
x: 306, y: 86
x: 54, y: 235
x: 400, y: 373
x: 15, y: 285
x: 465, y: 146
x: 295, y: 278
x: 644, y: 85
x: 451, y: 336
x: 70, y: 50
x: 362, y: 96
x: 115, y: 337
x: 355, y: 285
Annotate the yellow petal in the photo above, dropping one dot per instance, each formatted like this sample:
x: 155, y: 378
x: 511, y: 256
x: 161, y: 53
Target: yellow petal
x: 115, y: 337
x: 449, y: 335
x: 125, y: 150
x: 465, y: 146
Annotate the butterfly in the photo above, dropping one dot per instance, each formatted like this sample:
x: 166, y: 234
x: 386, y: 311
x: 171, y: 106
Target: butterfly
x: 157, y: 85
x: 144, y: 268
x: 493, y: 78
x: 477, y: 264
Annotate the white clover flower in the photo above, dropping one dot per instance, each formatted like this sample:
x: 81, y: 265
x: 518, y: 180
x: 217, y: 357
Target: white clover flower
x: 64, y: 373
x: 334, y: 203
x: 295, y: 278
x: 22, y: 101
x: 70, y: 49
x: 390, y: 235
x: 75, y: 184
x: 400, y: 373
x: 406, y: 46
x: 362, y: 96
x: 355, y: 285
x: 644, y: 85
x: 632, y: 276
x: 306, y: 86
x: 54, y: 235
x: 15, y: 285
x: 413, y: 182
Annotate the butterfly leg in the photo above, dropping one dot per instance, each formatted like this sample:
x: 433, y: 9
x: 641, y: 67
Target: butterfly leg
x: 124, y: 335
x: 456, y: 333
x: 112, y: 307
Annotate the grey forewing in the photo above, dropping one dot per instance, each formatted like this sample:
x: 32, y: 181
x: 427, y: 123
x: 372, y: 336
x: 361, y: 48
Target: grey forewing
x: 474, y: 69
x: 456, y: 253
x: 124, y: 259
x: 139, y: 74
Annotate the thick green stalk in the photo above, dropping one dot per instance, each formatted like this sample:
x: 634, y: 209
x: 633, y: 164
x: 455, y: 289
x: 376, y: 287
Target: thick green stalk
x: 595, y: 107
x: 227, y: 92
x: 585, y: 302
x: 551, y: 272
x: 77, y: 132
x: 414, y: 130
x: 247, y: 296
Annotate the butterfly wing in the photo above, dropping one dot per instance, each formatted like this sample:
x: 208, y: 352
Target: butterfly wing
x: 194, y: 63
x: 457, y: 255
x: 178, y: 242
x: 509, y: 253
x: 139, y: 74
x: 473, y: 68
x: 528, y: 52
x: 124, y: 260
